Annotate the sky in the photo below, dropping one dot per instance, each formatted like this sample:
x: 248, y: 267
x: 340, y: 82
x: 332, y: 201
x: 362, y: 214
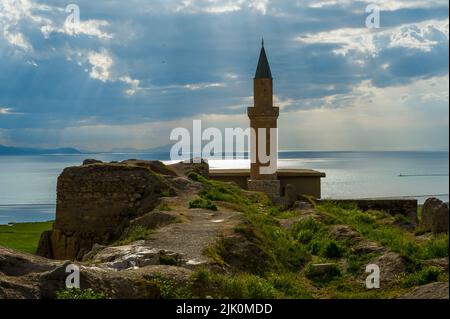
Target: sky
x: 130, y: 72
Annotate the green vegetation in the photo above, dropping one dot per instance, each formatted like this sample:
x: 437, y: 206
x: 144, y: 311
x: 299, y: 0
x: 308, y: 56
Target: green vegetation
x: 273, y: 253
x: 134, y: 234
x: 77, y: 293
x: 398, y: 240
x: 164, y: 207
x: 23, y: 236
x: 171, y: 289
x: 206, y: 284
x: 422, y: 277
x: 332, y: 273
x: 202, y: 203
x: 168, y: 260
x: 279, y: 261
x: 281, y: 251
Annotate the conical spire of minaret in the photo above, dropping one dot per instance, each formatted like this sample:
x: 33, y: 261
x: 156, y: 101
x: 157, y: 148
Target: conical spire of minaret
x: 263, y: 69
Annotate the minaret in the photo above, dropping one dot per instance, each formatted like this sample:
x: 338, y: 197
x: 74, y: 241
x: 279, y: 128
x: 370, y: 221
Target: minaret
x: 263, y: 120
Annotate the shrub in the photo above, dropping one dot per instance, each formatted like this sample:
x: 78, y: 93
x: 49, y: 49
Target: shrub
x: 354, y: 266
x: 168, y: 260
x: 290, y: 285
x: 436, y: 247
x: 331, y: 249
x: 422, y: 277
x: 309, y: 223
x: 202, y: 203
x: 305, y: 236
x: 194, y: 176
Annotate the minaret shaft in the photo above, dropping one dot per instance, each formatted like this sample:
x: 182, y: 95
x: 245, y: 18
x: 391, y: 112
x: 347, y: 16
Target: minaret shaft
x: 263, y: 116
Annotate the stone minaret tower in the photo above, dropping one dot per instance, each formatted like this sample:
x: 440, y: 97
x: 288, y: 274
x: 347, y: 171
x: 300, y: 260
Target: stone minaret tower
x: 263, y: 116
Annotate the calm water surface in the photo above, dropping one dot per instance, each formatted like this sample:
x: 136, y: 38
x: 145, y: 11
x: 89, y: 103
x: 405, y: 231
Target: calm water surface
x: 28, y: 183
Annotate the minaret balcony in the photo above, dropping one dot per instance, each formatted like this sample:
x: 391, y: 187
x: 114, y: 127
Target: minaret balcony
x: 254, y: 112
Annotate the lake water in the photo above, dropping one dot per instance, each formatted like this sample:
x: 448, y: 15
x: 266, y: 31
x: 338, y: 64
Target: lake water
x: 28, y: 183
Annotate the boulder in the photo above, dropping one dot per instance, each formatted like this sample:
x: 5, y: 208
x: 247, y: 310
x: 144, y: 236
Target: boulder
x: 32, y: 277
x: 45, y: 245
x: 301, y: 205
x: 367, y: 247
x: 344, y: 232
x: 435, y: 290
x: 290, y: 195
x: 438, y: 262
x: 435, y: 216
x: 391, y: 265
x: 14, y: 263
x: 133, y: 256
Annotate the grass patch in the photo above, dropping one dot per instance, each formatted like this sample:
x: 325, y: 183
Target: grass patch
x: 164, y: 207
x: 23, y: 236
x: 202, y: 203
x: 332, y: 273
x: 77, y: 293
x: 422, y: 277
x: 134, y: 234
x: 171, y: 289
x: 396, y: 239
x: 249, y: 286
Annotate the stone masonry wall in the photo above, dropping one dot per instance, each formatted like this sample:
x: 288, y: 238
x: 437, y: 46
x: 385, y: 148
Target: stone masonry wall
x: 270, y: 187
x: 95, y: 203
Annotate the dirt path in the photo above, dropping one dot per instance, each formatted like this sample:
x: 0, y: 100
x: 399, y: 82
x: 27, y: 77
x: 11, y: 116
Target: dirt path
x: 199, y: 229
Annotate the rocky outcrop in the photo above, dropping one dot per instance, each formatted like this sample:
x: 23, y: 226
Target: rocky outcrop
x: 436, y: 290
x: 198, y: 166
x: 344, y: 232
x: 391, y: 266
x: 435, y: 216
x: 32, y: 277
x: 290, y: 195
x: 96, y: 202
x: 90, y: 161
x: 135, y: 255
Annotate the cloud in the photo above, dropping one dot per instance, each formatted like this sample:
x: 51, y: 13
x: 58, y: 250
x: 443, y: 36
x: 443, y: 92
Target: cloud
x: 101, y: 63
x: 391, y: 5
x: 164, y: 61
x: 422, y: 36
x: 221, y: 6
x: 8, y: 111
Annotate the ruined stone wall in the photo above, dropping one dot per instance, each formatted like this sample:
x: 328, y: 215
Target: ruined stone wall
x: 269, y: 187
x: 95, y: 203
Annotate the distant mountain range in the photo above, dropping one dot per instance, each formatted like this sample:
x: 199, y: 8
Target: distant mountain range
x: 9, y: 150
x: 162, y: 149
